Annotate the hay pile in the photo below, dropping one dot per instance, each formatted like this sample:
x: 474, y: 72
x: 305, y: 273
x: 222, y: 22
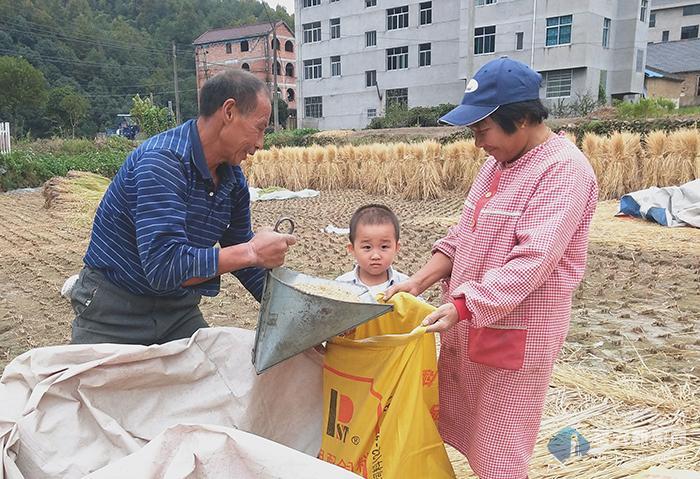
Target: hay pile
x: 631, y: 422
x: 623, y: 162
x: 78, y: 193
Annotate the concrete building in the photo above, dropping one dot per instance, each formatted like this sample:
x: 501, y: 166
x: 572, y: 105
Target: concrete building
x: 672, y: 20
x: 673, y: 71
x: 252, y: 48
x: 355, y: 57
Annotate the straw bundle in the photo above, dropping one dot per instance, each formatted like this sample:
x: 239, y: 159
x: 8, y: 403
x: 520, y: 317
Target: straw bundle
x: 423, y: 175
x: 655, y: 158
x: 683, y: 161
x: 620, y: 165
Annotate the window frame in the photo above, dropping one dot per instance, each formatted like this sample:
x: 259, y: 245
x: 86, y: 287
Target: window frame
x: 397, y: 18
x: 312, y: 68
x: 425, y: 13
x: 483, y: 39
x: 390, y: 95
x: 370, y: 3
x: 483, y: 3
x: 519, y: 41
x: 311, y: 107
x: 643, y: 7
x: 371, y: 34
x: 311, y: 32
x: 336, y: 69
x: 398, y: 57
x: 425, y: 55
x: 607, y: 24
x: 370, y: 78
x: 665, y: 34
x: 558, y: 86
x: 695, y: 28
x: 334, y: 28
x: 559, y: 26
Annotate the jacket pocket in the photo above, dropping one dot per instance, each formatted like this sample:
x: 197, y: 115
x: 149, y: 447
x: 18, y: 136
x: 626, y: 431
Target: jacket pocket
x: 498, y: 347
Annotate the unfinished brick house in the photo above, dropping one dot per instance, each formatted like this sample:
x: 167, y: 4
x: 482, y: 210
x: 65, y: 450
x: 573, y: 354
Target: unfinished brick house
x: 251, y: 47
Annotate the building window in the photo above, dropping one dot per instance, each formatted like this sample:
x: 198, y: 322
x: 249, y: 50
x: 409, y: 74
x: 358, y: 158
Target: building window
x: 289, y: 70
x: 371, y: 113
x: 481, y: 3
x: 424, y: 55
x: 277, y: 68
x: 228, y: 48
x: 370, y: 3
x: 245, y: 67
x: 312, y: 69
x: 559, y: 30
x: 397, y: 96
x: 333, y: 1
x: 643, y: 11
x: 689, y: 32
x: 370, y: 78
x: 652, y: 19
x: 558, y: 83
x: 335, y: 27
x: 426, y: 13
x: 275, y: 44
x: 640, y: 60
x: 396, y: 58
x: 606, y: 32
x: 664, y: 36
x: 244, y: 46
x: 397, y: 18
x: 484, y: 40
x: 290, y: 94
x: 311, y: 3
x: 371, y: 38
x: 519, y: 40
x: 335, y: 66
x: 313, y: 107
x: 312, y: 32
x: 603, y: 86
x: 697, y: 89
x: 691, y: 10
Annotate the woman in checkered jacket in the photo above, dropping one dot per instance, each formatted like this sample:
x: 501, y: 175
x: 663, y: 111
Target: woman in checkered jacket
x: 508, y: 269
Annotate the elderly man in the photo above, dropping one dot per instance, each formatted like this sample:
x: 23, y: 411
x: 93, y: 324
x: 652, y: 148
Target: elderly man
x: 153, y: 253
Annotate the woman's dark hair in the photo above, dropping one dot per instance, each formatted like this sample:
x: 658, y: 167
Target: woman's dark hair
x: 240, y: 85
x: 373, y: 214
x: 508, y: 115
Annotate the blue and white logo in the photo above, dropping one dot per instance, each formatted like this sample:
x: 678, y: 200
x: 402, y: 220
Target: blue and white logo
x: 567, y: 443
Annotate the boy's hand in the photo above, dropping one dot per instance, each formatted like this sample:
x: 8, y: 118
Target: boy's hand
x: 409, y: 286
x: 441, y: 319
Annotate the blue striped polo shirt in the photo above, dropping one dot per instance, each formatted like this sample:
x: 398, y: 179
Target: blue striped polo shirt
x: 161, y: 217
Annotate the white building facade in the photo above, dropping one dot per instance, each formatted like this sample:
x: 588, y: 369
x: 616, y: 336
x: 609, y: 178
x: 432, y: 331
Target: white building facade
x: 672, y: 20
x: 357, y: 56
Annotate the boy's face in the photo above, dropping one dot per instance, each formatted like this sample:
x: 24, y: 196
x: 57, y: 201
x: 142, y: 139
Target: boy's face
x: 374, y: 248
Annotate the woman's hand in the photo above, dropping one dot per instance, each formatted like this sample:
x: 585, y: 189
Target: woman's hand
x: 410, y: 286
x: 442, y: 318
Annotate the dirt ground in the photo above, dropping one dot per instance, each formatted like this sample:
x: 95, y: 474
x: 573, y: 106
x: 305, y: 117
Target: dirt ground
x: 639, y: 303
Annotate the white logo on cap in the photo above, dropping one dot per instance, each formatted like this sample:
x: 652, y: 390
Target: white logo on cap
x: 472, y: 86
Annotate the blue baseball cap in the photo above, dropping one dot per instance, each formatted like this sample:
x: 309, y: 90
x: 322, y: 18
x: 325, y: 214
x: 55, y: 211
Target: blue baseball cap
x: 499, y: 82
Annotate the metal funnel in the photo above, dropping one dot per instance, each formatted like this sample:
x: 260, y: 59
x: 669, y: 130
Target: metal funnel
x: 292, y: 320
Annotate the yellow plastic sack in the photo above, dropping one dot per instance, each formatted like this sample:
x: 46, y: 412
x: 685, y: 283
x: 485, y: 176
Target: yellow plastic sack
x: 380, y: 393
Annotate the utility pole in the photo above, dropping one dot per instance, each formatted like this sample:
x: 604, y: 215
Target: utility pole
x: 275, y: 99
x: 177, y: 92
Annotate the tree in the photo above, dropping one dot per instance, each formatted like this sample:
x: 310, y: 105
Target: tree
x: 282, y: 112
x: 23, y: 89
x: 66, y: 108
x: 151, y: 119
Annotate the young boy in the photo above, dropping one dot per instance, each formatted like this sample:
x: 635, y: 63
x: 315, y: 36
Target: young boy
x: 374, y: 242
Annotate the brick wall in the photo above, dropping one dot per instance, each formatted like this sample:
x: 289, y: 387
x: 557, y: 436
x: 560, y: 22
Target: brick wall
x: 215, y: 57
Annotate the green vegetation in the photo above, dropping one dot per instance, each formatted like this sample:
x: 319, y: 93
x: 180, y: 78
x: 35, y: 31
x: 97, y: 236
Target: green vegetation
x: 284, y: 138
x: 399, y: 116
x: 645, y: 108
x: 107, y: 52
x: 30, y: 165
x: 151, y: 119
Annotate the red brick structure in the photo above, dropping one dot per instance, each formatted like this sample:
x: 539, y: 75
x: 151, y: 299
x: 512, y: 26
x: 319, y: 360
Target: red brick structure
x: 250, y: 47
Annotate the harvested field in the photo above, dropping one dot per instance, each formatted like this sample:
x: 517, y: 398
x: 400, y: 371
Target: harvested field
x: 628, y: 379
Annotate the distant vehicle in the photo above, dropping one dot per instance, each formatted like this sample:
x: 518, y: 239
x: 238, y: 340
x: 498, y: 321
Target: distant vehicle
x: 126, y: 127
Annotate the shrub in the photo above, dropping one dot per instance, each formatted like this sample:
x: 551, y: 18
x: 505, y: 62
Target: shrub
x: 645, y: 107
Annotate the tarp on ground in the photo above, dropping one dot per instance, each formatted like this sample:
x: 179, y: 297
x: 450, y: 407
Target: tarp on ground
x: 68, y: 411
x: 669, y: 206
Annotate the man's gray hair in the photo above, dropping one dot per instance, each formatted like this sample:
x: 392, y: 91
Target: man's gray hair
x: 242, y: 86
